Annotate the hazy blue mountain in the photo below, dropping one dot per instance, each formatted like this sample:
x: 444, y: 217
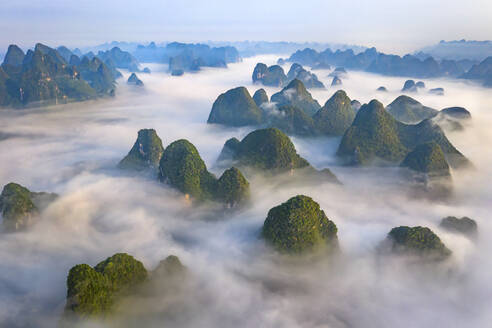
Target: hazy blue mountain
x: 408, y: 110
x: 343, y: 58
x: 65, y: 53
x: 460, y: 49
x: 458, y: 113
x: 97, y: 74
x: 269, y: 75
x: 260, y: 97
x: 14, y: 56
x: 419, y: 65
x: 134, y: 80
x: 191, y: 57
x: 187, y: 57
x: 481, y: 72
x: 150, y: 53
x: 295, y: 94
x: 437, y: 91
x: 309, y: 79
x: 120, y: 58
x: 254, y: 48
x: 336, y: 81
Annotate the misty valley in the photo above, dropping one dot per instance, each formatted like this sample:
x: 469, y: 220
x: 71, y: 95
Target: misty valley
x: 245, y: 184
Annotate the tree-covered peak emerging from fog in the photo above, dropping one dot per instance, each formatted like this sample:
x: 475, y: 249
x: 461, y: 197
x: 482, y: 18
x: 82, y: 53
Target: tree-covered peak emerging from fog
x: 420, y: 241
x: 271, y: 152
x: 94, y: 293
x: 182, y: 167
x: 375, y: 134
x: 299, y: 226
x: 275, y: 76
x: 292, y: 110
x: 20, y: 208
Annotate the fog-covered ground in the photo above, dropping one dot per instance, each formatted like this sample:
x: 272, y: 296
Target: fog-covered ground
x: 237, y: 281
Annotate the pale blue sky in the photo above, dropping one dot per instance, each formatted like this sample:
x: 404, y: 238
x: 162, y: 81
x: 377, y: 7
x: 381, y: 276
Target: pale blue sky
x: 393, y: 26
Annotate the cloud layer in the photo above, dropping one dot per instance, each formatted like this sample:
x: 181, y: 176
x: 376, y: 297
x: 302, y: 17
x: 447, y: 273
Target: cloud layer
x: 236, y: 280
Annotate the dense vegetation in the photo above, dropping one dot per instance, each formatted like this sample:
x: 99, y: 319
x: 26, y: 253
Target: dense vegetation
x: 268, y: 149
x: 336, y: 116
x: 375, y: 134
x: 182, y: 167
x: 272, y: 152
x: 235, y: 108
x: 417, y: 240
x: 145, y: 153
x: 232, y: 188
x: 95, y: 291
x: 427, y: 158
x: 20, y: 207
x: 299, y: 225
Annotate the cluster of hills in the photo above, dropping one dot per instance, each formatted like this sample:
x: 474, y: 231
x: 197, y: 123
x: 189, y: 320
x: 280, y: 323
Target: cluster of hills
x: 181, y: 57
x: 245, y: 48
x: 418, y: 66
x: 405, y: 133
x: 297, y: 229
x: 268, y: 152
x: 44, y: 76
x: 275, y: 76
x: 113, y: 58
x: 187, y: 57
x: 294, y: 228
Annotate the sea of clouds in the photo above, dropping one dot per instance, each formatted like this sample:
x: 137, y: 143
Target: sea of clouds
x: 236, y: 280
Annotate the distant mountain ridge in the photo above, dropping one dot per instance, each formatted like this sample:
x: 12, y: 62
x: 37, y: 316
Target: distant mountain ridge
x: 245, y: 48
x: 187, y: 57
x: 377, y: 62
x: 460, y: 49
x: 417, y: 66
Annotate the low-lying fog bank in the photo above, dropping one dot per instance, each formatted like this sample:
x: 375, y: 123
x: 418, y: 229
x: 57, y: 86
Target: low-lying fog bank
x: 73, y: 150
